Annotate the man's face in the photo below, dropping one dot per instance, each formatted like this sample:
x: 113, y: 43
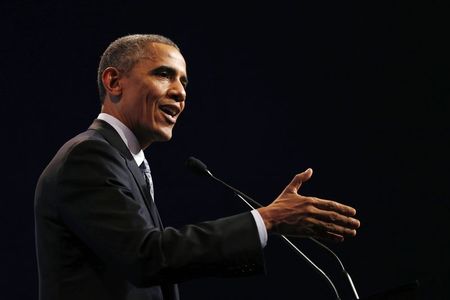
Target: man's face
x: 153, y: 94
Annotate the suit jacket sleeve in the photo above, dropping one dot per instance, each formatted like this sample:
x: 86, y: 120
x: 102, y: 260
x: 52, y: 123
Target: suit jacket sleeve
x: 97, y: 198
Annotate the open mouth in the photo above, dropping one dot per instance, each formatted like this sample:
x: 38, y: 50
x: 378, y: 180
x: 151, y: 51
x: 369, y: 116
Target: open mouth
x: 170, y: 111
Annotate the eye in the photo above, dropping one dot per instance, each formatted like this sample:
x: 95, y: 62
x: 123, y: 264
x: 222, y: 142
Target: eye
x: 169, y: 74
x: 163, y: 73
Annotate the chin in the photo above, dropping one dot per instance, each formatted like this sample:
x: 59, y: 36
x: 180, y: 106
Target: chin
x: 150, y: 135
x: 163, y: 136
x: 165, y: 139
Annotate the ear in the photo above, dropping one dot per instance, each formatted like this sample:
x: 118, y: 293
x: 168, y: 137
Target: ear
x: 111, y: 81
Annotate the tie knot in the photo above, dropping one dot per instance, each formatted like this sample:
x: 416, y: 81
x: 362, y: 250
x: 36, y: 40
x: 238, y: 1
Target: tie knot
x: 145, y: 168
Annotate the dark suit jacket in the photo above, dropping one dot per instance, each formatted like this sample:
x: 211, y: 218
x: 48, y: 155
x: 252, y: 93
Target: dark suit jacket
x: 96, y: 238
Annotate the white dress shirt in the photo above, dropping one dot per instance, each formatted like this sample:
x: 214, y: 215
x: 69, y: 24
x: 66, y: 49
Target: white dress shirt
x: 133, y: 145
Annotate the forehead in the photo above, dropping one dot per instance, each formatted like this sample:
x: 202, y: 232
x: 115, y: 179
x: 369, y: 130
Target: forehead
x: 158, y: 54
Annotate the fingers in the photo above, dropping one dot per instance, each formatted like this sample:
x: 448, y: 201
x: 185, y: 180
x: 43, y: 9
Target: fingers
x: 296, y: 183
x: 335, y: 218
x: 298, y: 215
x: 322, y: 230
x: 333, y: 206
x: 325, y: 229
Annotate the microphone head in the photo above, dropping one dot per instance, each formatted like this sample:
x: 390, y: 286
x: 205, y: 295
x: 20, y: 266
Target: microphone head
x: 196, y: 166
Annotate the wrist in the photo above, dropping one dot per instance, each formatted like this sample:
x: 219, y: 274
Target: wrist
x: 266, y: 216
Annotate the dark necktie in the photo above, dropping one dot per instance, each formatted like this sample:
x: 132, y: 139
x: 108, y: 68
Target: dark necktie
x: 154, y: 292
x: 145, y: 168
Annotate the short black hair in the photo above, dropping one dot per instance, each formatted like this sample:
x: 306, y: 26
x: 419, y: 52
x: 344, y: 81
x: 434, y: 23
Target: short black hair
x: 124, y: 53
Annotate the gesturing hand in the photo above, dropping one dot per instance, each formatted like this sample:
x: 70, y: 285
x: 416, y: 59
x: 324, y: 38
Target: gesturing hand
x: 297, y: 215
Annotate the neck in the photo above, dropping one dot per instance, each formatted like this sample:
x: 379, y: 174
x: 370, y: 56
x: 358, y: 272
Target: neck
x: 113, y: 111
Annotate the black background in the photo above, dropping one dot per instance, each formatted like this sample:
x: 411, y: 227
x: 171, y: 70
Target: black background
x: 357, y: 91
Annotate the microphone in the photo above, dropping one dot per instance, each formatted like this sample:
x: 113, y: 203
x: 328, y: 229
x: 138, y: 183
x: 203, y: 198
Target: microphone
x: 199, y: 168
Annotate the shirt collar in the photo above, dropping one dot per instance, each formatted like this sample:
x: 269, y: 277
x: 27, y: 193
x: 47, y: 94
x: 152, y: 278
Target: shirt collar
x: 126, y: 135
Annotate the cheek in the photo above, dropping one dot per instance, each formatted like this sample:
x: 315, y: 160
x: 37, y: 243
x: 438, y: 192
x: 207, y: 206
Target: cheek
x: 150, y: 109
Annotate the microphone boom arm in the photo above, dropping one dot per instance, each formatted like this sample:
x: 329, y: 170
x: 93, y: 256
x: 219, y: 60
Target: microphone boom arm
x: 295, y: 248
x: 200, y: 168
x: 247, y: 199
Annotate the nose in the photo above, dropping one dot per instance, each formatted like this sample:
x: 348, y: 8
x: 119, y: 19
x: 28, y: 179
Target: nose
x: 177, y: 91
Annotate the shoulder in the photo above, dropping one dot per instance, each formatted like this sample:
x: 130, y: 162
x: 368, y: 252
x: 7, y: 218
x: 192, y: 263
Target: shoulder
x: 87, y: 149
x: 89, y: 142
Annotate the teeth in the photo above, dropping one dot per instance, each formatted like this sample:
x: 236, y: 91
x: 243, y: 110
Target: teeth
x: 168, y: 110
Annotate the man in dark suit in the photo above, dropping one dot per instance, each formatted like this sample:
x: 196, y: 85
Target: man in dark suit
x: 98, y: 232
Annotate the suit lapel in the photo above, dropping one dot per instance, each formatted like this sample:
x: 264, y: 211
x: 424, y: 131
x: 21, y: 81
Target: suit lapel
x: 110, y: 134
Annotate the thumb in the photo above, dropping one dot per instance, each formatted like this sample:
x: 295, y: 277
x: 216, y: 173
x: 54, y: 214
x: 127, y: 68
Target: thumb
x: 298, y: 180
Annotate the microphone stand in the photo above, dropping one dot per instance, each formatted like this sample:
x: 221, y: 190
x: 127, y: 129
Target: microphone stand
x: 200, y: 168
x: 301, y: 253
x: 246, y: 199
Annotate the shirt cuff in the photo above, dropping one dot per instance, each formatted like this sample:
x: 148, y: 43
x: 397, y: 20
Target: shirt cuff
x: 262, y: 231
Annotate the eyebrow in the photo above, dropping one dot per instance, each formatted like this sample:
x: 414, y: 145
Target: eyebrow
x: 172, y: 72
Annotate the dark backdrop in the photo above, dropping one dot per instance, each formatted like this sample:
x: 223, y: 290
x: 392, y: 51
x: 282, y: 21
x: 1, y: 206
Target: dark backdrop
x: 359, y: 92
